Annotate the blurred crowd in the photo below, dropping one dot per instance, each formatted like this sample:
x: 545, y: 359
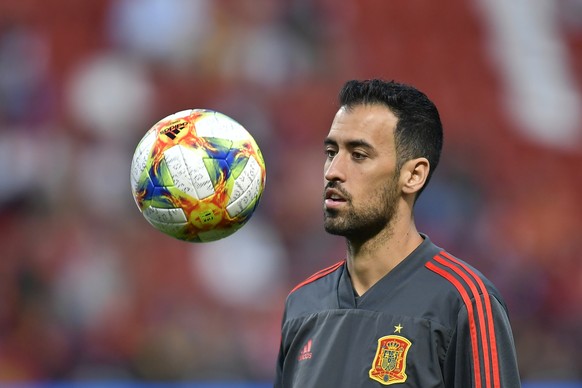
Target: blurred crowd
x: 90, y: 291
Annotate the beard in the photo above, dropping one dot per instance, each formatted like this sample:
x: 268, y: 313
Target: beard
x: 364, y: 221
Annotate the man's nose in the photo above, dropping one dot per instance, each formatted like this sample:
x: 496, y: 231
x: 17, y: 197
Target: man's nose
x: 335, y: 168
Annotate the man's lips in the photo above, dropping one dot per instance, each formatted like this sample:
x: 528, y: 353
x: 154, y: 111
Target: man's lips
x: 334, y: 198
x: 334, y: 195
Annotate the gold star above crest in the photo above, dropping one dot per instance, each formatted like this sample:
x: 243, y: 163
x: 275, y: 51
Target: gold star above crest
x: 397, y: 328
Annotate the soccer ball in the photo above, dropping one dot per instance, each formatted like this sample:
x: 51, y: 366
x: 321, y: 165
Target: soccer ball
x: 197, y: 175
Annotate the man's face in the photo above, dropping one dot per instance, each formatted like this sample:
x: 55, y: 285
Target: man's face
x: 361, y: 182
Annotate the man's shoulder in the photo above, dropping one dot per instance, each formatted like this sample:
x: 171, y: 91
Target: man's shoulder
x: 315, y: 293
x: 462, y: 278
x: 319, y: 277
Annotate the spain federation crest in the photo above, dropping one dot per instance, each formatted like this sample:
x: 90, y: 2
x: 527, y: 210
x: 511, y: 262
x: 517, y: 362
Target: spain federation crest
x: 389, y: 366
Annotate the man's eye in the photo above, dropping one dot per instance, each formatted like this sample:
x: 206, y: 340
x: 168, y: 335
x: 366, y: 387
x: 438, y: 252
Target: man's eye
x: 330, y: 153
x: 358, y: 155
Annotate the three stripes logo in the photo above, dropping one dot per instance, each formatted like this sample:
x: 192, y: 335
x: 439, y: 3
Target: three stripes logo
x: 174, y: 129
x: 305, y: 353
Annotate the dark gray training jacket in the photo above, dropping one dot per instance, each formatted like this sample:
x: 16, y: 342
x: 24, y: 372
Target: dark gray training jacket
x: 433, y: 321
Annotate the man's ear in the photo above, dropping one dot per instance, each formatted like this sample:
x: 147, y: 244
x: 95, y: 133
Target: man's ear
x: 414, y: 174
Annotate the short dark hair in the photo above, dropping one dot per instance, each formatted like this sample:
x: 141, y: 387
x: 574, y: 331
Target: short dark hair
x: 418, y: 132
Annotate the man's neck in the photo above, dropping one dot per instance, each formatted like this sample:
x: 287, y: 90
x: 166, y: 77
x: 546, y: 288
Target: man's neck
x: 371, y: 260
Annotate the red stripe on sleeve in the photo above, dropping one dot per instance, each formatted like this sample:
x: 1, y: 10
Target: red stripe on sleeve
x: 480, y: 316
x: 472, y: 327
x: 318, y: 275
x: 492, y: 340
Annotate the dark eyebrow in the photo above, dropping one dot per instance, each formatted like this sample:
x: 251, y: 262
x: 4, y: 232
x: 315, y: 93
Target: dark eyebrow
x: 329, y: 141
x: 359, y: 143
x: 351, y: 144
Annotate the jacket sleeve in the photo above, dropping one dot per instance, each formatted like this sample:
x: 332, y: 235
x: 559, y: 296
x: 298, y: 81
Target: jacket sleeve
x: 481, y: 353
x: 278, y: 383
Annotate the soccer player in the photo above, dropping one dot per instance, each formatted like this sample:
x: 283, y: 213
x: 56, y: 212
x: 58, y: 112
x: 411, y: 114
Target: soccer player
x: 398, y: 310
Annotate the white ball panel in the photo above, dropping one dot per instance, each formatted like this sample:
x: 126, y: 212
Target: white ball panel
x: 178, y: 115
x: 179, y: 170
x: 220, y: 126
x: 198, y: 173
x: 173, y: 229
x: 140, y: 158
x: 245, y: 179
x: 166, y: 216
x: 246, y: 198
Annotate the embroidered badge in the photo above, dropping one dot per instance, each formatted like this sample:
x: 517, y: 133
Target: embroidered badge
x: 389, y: 365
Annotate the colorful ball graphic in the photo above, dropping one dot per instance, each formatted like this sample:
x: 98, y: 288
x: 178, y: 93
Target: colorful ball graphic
x: 197, y: 175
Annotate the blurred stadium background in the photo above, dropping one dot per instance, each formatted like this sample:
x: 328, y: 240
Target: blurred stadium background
x: 89, y: 292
